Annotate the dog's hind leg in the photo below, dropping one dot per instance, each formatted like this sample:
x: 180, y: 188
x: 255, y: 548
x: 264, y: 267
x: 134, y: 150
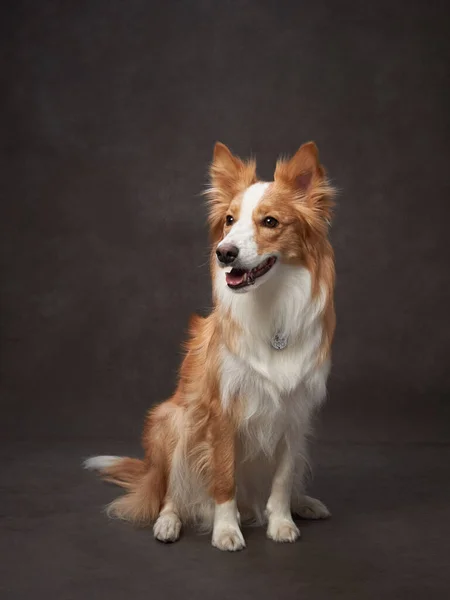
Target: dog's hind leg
x: 167, y: 526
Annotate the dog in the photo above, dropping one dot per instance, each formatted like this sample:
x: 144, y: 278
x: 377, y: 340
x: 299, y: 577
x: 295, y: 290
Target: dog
x: 231, y: 444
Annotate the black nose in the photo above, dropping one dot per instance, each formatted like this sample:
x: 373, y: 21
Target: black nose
x: 227, y: 253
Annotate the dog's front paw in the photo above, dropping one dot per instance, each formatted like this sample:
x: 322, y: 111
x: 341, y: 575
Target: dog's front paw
x: 282, y: 529
x: 167, y: 528
x: 228, y: 538
x: 311, y: 508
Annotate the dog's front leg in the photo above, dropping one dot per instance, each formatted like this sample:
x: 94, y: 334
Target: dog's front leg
x: 226, y: 531
x: 281, y: 527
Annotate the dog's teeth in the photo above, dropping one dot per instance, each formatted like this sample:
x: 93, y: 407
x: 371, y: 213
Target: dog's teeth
x: 228, y: 269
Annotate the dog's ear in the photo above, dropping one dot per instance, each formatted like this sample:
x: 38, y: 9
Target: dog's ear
x: 303, y: 170
x: 228, y: 173
x: 304, y: 176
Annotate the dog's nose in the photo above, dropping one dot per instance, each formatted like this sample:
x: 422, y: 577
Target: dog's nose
x: 227, y: 253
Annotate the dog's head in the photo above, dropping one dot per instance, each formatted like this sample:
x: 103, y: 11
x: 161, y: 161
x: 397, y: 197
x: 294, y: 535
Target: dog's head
x: 256, y: 226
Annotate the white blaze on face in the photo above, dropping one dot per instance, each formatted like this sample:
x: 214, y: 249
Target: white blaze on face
x: 242, y: 234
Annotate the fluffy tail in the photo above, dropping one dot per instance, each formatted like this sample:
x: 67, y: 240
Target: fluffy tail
x: 145, y: 484
x: 122, y: 471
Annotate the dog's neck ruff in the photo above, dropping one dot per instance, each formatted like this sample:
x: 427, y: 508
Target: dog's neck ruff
x: 275, y: 315
x: 270, y: 355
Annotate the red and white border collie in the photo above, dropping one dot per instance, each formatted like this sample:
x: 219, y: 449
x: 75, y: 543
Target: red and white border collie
x: 230, y: 444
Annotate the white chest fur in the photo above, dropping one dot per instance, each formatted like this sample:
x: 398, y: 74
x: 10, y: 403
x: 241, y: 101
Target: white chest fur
x: 276, y: 388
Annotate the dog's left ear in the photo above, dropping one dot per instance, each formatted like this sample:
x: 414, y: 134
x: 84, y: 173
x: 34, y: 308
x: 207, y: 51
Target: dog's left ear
x: 305, y: 177
x: 303, y: 170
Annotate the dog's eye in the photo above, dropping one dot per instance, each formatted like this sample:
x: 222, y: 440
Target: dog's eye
x: 229, y: 220
x: 270, y: 222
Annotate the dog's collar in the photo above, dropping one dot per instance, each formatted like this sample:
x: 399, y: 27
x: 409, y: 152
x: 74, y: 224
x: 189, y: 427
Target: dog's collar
x: 279, y: 341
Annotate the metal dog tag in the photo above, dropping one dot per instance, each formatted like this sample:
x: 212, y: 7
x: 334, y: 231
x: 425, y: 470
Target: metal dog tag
x: 279, y: 342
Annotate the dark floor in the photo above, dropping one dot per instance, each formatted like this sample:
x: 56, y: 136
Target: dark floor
x: 111, y: 110
x: 386, y: 482
x: 388, y: 537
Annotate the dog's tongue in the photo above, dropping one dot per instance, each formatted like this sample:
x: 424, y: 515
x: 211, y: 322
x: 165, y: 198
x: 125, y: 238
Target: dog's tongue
x: 236, y: 276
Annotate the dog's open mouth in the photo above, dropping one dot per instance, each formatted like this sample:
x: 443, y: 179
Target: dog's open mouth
x: 239, y: 278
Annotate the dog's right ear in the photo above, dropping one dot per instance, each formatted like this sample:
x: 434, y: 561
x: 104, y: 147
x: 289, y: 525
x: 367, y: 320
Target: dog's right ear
x: 224, y: 159
x: 229, y: 174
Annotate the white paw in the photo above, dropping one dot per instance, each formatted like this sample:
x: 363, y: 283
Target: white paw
x: 311, y: 508
x: 282, y: 529
x: 228, y: 538
x: 167, y: 528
